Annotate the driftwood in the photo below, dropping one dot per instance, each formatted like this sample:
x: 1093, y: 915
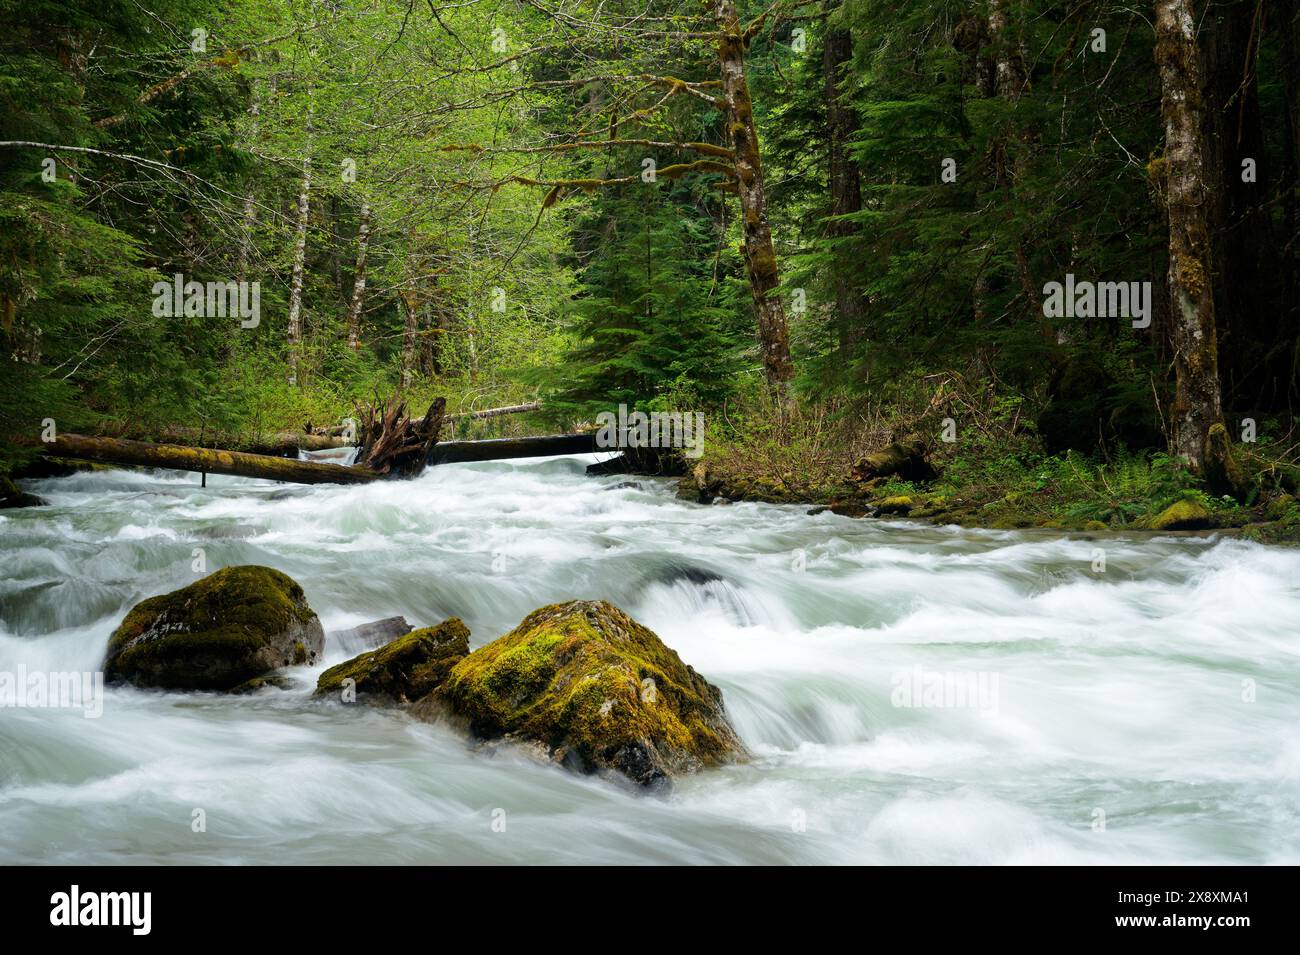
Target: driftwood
x: 391, y: 443
x: 181, y: 458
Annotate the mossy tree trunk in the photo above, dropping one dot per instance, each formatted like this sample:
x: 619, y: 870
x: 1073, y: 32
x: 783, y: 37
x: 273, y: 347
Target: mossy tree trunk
x: 1197, y: 402
x: 203, y: 460
x: 759, y: 250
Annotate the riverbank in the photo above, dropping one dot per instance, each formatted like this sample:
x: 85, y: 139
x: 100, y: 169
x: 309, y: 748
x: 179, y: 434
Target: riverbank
x: 993, y: 473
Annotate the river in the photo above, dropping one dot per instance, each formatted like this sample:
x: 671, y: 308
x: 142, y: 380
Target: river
x: 910, y: 694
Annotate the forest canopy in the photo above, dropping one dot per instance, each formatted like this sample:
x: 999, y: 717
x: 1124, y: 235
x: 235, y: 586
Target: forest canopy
x: 846, y: 205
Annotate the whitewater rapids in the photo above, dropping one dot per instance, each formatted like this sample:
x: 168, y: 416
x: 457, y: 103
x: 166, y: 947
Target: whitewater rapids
x: 1145, y: 713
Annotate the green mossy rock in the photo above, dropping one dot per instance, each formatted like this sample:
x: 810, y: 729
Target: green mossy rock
x: 222, y: 631
x: 1280, y: 507
x: 598, y: 692
x: 905, y: 458
x: 404, y: 670
x: 901, y: 504
x: 277, y: 681
x: 11, y: 495
x: 1182, y: 516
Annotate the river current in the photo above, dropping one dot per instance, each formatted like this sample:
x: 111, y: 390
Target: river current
x: 909, y: 694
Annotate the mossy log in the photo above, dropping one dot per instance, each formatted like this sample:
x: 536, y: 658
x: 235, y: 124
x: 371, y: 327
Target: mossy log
x: 180, y: 458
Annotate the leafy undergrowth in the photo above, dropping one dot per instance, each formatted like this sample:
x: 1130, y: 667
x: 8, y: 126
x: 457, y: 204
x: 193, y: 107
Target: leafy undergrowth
x: 993, y: 473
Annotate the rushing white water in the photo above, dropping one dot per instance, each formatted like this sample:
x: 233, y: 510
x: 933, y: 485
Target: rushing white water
x: 1147, y: 713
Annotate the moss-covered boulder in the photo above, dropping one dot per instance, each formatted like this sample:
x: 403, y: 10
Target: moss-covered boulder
x: 905, y: 459
x: 228, y: 628
x: 11, y: 495
x: 899, y: 504
x: 1183, y: 516
x: 402, y: 671
x: 853, y: 507
x: 598, y: 692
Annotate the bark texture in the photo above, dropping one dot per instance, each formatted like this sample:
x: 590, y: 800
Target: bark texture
x: 759, y: 250
x: 1197, y: 402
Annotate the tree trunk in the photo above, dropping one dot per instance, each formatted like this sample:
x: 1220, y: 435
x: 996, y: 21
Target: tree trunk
x: 181, y: 458
x: 1240, y: 227
x: 1287, y: 22
x: 410, y: 332
x: 1010, y: 83
x: 759, y: 251
x: 250, y: 211
x: 299, y: 261
x: 845, y: 183
x: 359, y: 278
x: 1197, y: 401
x: 1010, y: 77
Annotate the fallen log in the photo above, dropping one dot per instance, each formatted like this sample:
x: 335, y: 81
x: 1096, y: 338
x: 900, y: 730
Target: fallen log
x: 494, y: 412
x: 284, y: 443
x: 180, y: 458
x: 500, y: 449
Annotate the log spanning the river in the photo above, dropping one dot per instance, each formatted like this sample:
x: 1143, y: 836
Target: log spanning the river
x: 494, y: 412
x: 500, y: 449
x: 180, y: 458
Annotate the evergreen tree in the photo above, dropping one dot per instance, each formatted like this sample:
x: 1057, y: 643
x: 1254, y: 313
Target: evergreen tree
x: 653, y: 315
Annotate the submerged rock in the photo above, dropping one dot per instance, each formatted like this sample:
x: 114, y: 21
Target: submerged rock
x: 597, y: 692
x: 404, y: 670
x: 222, y: 631
x: 368, y: 636
x: 1183, y: 516
x: 276, y: 681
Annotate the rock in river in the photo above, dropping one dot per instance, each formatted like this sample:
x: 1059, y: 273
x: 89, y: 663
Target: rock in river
x: 598, y: 692
x: 215, y: 634
x: 404, y: 670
